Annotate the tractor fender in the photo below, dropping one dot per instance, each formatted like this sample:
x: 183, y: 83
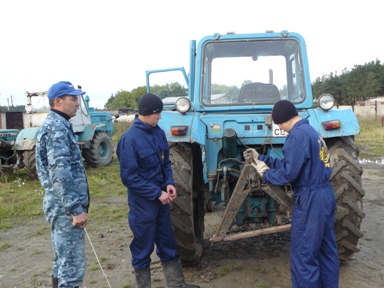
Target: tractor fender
x: 87, y: 134
x: 349, y: 125
x: 26, y: 139
x: 191, y: 120
x: 194, y: 134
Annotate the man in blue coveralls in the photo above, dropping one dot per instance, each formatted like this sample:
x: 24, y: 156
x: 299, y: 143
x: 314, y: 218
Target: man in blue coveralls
x: 61, y: 172
x: 306, y: 166
x: 145, y: 169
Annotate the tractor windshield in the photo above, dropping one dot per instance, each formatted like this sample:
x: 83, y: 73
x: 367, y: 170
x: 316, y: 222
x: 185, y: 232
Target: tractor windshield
x: 252, y: 72
x: 37, y: 102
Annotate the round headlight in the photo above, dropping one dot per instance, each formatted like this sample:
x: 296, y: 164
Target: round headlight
x: 28, y: 108
x: 183, y: 105
x: 326, y: 101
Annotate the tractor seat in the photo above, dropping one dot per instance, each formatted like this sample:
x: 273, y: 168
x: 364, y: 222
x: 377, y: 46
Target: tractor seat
x: 259, y: 93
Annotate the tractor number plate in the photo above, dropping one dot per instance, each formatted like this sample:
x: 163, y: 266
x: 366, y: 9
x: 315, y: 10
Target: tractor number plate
x: 277, y: 132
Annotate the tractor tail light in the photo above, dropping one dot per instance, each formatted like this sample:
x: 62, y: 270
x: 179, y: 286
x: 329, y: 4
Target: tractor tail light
x: 179, y: 130
x: 330, y: 125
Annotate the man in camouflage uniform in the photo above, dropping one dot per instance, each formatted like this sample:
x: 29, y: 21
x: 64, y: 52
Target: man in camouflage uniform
x: 61, y: 173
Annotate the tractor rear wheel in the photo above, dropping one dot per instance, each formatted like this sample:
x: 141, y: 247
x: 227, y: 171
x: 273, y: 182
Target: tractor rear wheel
x: 29, y: 161
x: 100, y: 152
x: 347, y: 185
x: 187, y: 210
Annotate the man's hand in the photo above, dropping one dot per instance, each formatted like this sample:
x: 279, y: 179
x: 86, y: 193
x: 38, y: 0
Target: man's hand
x: 250, y: 154
x: 260, y: 167
x: 80, y: 220
x: 172, y: 192
x: 164, y: 198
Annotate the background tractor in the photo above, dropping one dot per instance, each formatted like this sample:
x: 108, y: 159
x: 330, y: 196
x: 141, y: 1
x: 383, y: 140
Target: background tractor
x: 93, y: 129
x: 233, y: 82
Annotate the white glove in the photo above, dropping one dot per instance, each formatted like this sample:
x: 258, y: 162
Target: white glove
x: 250, y: 154
x: 260, y: 167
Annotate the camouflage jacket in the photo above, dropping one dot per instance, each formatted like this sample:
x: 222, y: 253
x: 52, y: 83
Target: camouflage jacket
x: 60, y: 166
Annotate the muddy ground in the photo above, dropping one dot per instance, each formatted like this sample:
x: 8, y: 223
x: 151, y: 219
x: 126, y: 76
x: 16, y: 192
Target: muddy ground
x: 255, y: 262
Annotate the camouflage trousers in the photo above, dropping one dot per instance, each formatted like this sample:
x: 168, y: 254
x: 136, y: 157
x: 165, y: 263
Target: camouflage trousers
x: 69, y: 249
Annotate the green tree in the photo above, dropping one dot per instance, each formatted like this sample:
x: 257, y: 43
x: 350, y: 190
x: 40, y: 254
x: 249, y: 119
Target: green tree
x: 17, y: 108
x: 372, y: 86
x: 126, y: 99
x: 110, y: 100
x: 169, y: 90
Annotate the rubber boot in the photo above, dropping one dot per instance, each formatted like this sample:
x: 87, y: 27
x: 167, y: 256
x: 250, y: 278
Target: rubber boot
x: 143, y: 277
x: 55, y: 282
x: 174, y: 275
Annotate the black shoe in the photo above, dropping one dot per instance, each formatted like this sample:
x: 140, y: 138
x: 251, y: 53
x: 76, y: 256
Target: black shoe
x: 174, y: 275
x: 55, y: 282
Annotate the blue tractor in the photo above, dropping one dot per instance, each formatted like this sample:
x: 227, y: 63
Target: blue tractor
x: 233, y: 82
x: 93, y: 129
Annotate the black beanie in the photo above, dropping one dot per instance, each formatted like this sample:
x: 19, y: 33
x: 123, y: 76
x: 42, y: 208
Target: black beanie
x: 283, y: 111
x: 150, y: 104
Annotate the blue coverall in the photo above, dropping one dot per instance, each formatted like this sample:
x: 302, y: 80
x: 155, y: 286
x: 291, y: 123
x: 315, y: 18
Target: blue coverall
x: 306, y: 166
x: 61, y: 172
x: 145, y: 169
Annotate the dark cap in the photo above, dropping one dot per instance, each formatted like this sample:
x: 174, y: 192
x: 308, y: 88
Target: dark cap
x: 150, y: 104
x: 63, y: 88
x: 283, y: 111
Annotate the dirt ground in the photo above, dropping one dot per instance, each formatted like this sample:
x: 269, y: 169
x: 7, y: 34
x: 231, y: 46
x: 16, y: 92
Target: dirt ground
x: 255, y: 262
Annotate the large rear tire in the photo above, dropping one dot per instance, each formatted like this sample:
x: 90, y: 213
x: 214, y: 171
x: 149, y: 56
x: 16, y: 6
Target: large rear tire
x: 29, y: 161
x: 349, y: 193
x: 187, y: 210
x: 100, y: 152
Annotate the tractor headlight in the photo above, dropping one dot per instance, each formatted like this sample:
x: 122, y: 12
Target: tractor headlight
x: 183, y: 105
x: 326, y: 101
x: 28, y: 108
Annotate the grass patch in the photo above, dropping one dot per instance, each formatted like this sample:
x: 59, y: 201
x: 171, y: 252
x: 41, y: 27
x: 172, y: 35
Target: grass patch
x: 238, y: 266
x: 120, y: 129
x: 224, y: 270
x: 21, y: 198
x: 41, y: 231
x: 371, y: 135
x: 263, y: 285
x: 94, y: 267
x: 4, y: 246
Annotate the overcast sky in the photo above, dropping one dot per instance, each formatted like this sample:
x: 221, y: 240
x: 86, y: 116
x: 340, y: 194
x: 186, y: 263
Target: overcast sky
x: 106, y: 46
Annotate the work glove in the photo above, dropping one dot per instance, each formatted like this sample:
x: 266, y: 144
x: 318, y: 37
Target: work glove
x: 260, y: 167
x: 250, y: 154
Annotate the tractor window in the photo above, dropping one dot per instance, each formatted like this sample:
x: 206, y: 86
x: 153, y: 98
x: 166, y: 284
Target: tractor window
x: 251, y: 72
x: 38, y: 103
x: 84, y: 109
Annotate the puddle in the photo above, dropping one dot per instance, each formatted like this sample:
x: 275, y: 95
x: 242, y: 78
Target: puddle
x: 372, y: 161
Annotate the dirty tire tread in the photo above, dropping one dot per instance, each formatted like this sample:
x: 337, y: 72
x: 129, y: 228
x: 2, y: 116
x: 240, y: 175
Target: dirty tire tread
x: 182, y: 208
x: 347, y: 184
x: 29, y: 161
x: 92, y: 155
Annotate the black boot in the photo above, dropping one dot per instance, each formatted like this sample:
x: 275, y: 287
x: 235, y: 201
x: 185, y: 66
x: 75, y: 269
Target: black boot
x: 55, y: 282
x: 174, y: 275
x: 143, y: 277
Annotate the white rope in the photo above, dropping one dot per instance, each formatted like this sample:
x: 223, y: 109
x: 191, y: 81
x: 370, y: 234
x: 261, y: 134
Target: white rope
x: 97, y: 258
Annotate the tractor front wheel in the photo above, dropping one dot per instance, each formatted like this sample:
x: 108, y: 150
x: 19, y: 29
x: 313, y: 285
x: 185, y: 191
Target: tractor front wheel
x: 187, y: 210
x: 347, y: 185
x: 100, y: 152
x: 29, y: 161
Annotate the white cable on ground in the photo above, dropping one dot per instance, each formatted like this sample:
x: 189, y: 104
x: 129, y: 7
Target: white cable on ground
x: 97, y: 258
